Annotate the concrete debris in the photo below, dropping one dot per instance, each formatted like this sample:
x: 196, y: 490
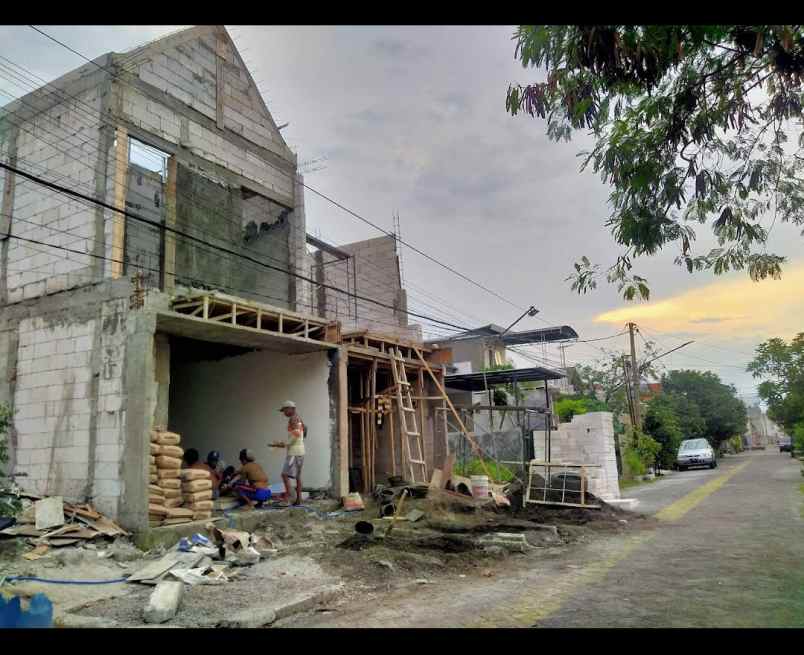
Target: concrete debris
x: 513, y: 542
x: 386, y: 564
x: 422, y: 581
x: 49, y: 513
x: 202, y: 575
x: 250, y: 618
x: 164, y: 602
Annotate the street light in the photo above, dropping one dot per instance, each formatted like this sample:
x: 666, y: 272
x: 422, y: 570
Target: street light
x: 531, y: 311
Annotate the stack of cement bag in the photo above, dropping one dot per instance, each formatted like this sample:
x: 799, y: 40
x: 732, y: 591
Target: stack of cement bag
x: 196, y: 491
x: 156, y: 505
x: 166, y: 476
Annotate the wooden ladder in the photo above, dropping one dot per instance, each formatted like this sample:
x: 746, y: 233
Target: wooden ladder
x: 407, y: 420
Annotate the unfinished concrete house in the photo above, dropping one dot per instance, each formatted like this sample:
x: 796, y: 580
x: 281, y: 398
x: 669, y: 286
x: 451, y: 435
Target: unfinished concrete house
x: 153, y: 272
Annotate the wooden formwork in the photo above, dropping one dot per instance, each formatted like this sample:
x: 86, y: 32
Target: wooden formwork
x: 223, y: 309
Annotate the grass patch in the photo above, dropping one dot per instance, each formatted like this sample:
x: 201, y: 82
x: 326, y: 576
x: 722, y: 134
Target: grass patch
x: 629, y: 484
x: 497, y: 472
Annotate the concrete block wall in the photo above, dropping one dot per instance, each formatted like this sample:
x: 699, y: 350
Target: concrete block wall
x: 377, y: 271
x: 60, y: 144
x: 63, y: 356
x: 211, y: 145
x: 587, y: 439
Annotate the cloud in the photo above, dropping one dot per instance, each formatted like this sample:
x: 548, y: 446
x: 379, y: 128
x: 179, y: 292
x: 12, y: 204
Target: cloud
x: 396, y: 49
x: 715, y: 319
x: 775, y: 308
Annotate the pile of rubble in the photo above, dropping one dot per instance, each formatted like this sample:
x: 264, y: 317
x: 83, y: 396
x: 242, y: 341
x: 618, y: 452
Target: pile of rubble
x: 51, y: 523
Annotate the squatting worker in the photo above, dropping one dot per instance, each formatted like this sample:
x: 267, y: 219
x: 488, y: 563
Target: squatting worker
x: 213, y: 466
x: 251, y: 484
x: 294, y: 459
x: 191, y: 460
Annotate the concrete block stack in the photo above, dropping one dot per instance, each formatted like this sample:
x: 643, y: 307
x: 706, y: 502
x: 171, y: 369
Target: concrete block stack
x: 196, y: 489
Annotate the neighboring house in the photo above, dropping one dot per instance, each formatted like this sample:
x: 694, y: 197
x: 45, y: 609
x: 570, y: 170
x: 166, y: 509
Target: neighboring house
x: 190, y: 311
x: 485, y: 347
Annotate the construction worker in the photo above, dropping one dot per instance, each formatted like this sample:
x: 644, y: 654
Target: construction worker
x: 294, y: 457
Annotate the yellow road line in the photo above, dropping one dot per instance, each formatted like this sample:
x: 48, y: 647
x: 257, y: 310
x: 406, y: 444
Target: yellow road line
x: 676, y: 510
x: 534, y: 606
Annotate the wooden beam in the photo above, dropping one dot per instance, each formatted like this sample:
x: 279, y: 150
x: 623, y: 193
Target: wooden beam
x: 119, y: 220
x: 343, y: 422
x: 466, y: 432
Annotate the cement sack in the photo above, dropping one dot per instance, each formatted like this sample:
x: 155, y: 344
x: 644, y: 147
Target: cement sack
x: 173, y: 451
x: 202, y: 505
x: 196, y: 485
x: 153, y: 460
x: 156, y: 500
x: 154, y: 435
x: 168, y: 474
x: 153, y: 479
x: 173, y: 502
x: 152, y: 469
x: 198, y: 496
x: 206, y: 514
x: 156, y: 449
x: 194, y: 474
x: 170, y: 483
x: 156, y: 490
x: 165, y: 462
x: 179, y: 513
x: 157, y: 510
x: 173, y: 493
x: 168, y: 439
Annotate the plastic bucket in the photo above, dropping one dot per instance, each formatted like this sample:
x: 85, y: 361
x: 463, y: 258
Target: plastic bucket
x: 480, y: 486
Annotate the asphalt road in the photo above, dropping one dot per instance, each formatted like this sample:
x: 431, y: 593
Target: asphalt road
x: 729, y: 552
x: 726, y: 550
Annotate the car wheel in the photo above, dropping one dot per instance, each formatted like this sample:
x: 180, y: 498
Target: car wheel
x: 682, y: 468
x: 712, y: 465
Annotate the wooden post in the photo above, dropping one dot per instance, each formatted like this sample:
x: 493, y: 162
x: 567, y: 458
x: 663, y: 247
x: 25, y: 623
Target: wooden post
x: 421, y: 411
x: 343, y: 422
x: 169, y: 261
x: 118, y: 219
x: 393, y: 438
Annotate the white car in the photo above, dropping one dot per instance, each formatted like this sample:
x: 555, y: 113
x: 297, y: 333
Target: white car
x: 695, y: 452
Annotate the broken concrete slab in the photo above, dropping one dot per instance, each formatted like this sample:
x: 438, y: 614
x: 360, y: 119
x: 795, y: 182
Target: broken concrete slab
x: 513, y: 542
x: 164, y: 602
x: 49, y: 512
x: 256, y: 617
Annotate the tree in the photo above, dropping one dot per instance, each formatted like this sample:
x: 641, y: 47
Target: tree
x: 688, y: 415
x: 781, y: 366
x: 569, y: 406
x: 690, y: 124
x: 663, y: 425
x: 723, y: 413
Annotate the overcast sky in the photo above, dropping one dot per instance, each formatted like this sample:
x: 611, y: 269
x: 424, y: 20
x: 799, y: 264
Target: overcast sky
x: 413, y: 120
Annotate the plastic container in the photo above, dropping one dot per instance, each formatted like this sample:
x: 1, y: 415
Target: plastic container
x: 480, y: 486
x: 39, y: 614
x: 10, y: 612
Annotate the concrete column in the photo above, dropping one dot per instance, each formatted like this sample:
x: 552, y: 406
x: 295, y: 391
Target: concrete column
x: 141, y: 387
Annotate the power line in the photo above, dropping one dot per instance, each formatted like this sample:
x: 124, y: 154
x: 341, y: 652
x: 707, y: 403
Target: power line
x: 228, y: 251
x: 322, y: 195
x: 61, y: 96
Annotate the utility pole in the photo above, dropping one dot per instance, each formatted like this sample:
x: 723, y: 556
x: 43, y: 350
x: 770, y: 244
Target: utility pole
x: 635, y: 376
